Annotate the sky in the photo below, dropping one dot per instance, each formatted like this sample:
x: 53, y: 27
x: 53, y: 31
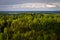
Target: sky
x: 29, y: 5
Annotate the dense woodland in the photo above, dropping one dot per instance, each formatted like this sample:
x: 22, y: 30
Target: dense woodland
x: 30, y: 26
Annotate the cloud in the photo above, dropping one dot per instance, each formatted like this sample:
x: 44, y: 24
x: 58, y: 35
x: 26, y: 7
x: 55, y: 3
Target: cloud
x: 12, y: 2
x: 33, y: 5
x: 30, y: 6
x: 50, y: 6
x: 57, y: 4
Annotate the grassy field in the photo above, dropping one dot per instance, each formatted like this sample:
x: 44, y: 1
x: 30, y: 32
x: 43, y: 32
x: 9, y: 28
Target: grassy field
x: 30, y: 26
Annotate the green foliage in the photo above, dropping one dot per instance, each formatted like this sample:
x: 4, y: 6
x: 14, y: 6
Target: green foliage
x: 1, y: 36
x: 30, y: 27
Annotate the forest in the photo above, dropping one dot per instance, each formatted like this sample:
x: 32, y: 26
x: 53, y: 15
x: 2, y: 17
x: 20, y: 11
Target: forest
x: 30, y: 26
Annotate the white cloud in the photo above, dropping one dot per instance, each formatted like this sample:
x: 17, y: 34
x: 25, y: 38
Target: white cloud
x: 50, y: 6
x: 29, y: 5
x: 33, y: 5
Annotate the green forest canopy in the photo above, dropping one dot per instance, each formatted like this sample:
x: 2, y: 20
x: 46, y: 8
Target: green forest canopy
x: 30, y: 27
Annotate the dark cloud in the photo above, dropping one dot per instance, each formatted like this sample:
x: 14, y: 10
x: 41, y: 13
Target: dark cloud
x: 7, y: 2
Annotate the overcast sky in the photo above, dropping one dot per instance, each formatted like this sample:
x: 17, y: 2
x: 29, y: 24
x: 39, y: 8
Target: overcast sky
x: 29, y: 5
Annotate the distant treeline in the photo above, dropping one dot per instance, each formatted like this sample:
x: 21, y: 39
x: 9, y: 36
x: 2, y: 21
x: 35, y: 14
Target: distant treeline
x: 30, y: 26
x: 39, y: 12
